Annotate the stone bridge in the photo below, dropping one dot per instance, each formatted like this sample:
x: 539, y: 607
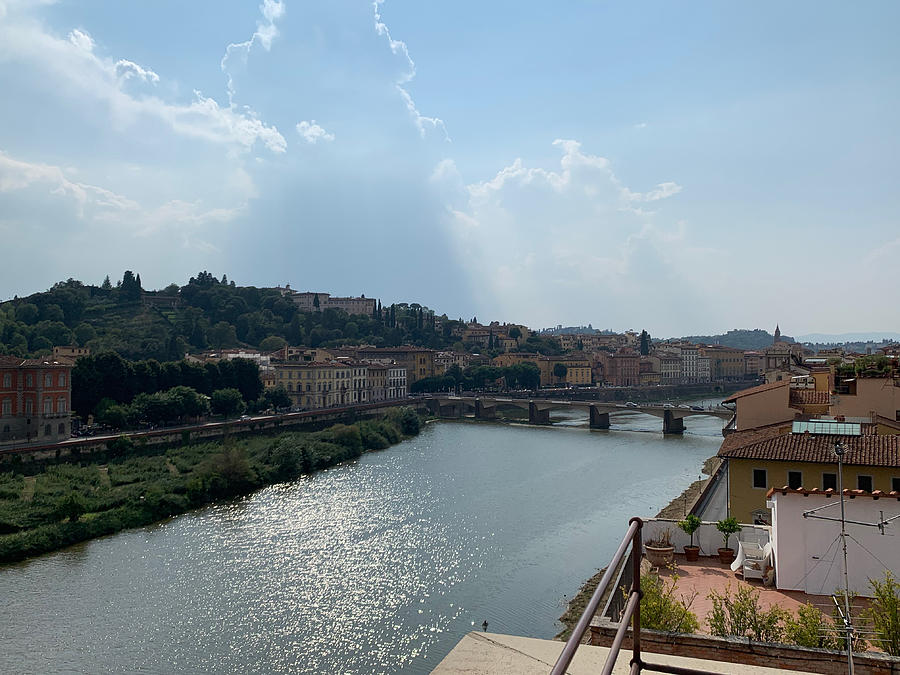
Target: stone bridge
x: 485, y: 407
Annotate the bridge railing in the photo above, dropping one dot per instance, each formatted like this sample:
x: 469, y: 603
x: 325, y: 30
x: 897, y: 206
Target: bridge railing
x: 631, y: 614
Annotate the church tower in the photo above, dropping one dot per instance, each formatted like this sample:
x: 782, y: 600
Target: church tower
x: 777, y: 334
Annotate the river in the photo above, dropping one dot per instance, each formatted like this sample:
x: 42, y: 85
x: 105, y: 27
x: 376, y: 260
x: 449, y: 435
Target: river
x: 377, y: 566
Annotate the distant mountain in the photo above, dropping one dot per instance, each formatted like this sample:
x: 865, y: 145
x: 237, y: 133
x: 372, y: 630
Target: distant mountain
x: 739, y: 339
x: 826, y: 338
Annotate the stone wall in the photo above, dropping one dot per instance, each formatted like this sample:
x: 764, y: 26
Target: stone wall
x: 745, y: 652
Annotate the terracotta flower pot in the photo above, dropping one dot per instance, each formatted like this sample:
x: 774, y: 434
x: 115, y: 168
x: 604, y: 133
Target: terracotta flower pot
x: 660, y: 556
x: 691, y: 553
x: 726, y: 556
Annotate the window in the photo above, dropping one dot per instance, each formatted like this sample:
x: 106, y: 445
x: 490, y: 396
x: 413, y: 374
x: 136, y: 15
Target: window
x: 7, y: 380
x: 795, y: 480
x: 829, y: 481
x: 864, y: 483
x: 48, y: 430
x: 62, y: 428
x: 760, y: 479
x: 48, y: 380
x: 48, y: 406
x: 7, y: 406
x: 29, y: 381
x: 62, y: 380
x: 60, y: 405
x: 895, y: 484
x: 5, y: 428
x: 29, y: 405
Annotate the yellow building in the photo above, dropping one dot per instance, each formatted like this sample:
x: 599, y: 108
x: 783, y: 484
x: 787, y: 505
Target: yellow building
x: 314, y: 385
x: 725, y: 363
x: 775, y: 456
x: 418, y: 361
x: 578, y: 370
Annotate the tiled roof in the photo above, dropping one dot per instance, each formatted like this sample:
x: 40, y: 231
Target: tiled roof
x: 771, y: 443
x: 877, y: 494
x: 810, y: 397
x: 18, y: 362
x: 756, y: 390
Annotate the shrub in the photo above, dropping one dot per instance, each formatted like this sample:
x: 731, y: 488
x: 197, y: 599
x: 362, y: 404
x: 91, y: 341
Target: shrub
x: 810, y: 628
x: 884, y: 614
x: 71, y: 506
x: 741, y: 615
x: 662, y: 610
x: 728, y: 527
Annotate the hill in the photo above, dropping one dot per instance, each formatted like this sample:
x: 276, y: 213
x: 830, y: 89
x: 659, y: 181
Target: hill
x: 739, y: 339
x: 206, y: 313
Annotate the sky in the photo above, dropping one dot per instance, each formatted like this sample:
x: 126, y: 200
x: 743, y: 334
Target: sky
x: 687, y: 168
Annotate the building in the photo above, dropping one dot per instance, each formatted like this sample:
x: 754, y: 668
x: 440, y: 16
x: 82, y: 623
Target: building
x: 800, y: 543
x: 396, y: 382
x: 690, y: 363
x: 726, y: 364
x: 578, y: 370
x: 754, y: 365
x: 378, y: 381
x: 622, y: 369
x: 418, y: 361
x: 669, y: 367
x: 314, y: 385
x: 316, y: 302
x: 649, y: 367
x: 786, y: 454
x: 71, y: 352
x: 35, y: 400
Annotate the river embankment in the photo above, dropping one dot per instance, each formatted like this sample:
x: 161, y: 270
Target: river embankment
x: 56, y: 504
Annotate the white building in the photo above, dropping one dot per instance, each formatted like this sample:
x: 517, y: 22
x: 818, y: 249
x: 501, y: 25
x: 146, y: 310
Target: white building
x: 808, y: 554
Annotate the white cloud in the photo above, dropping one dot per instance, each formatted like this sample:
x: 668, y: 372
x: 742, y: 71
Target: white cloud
x: 81, y: 40
x: 423, y: 123
x: 550, y: 244
x: 100, y: 206
x: 73, y: 67
x: 312, y: 132
x: 128, y: 69
x: 266, y: 32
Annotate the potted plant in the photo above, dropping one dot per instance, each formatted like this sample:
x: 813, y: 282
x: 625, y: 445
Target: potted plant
x: 660, y: 551
x: 727, y: 527
x: 689, y: 525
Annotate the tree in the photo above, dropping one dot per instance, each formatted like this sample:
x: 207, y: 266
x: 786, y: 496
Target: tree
x: 560, y: 370
x: 515, y: 333
x: 27, y: 313
x: 107, y: 284
x: 71, y: 506
x: 272, y: 343
x: 226, y: 402
x: 316, y: 301
x: 277, y: 398
x: 885, y: 614
x: 645, y: 343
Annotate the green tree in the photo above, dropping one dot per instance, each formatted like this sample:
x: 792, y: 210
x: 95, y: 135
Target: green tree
x: 560, y: 371
x: 226, y: 402
x: 107, y: 284
x: 71, y: 506
x: 884, y: 613
x: 316, y: 301
x: 277, y: 398
x: 645, y: 343
x: 515, y: 333
x: 27, y: 313
x: 271, y: 343
x: 662, y: 609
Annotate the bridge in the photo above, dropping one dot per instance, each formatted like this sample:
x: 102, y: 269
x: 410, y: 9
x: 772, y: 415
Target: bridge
x: 485, y: 407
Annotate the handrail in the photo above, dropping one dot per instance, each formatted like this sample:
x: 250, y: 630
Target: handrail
x: 631, y: 613
x: 632, y: 537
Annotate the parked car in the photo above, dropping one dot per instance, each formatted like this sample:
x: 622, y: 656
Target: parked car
x: 685, y: 406
x: 631, y: 404
x: 696, y: 407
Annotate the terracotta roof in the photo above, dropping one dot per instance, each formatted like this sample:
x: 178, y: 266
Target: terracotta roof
x: 877, y: 494
x: 810, y: 397
x: 756, y: 390
x: 18, y: 362
x: 773, y: 444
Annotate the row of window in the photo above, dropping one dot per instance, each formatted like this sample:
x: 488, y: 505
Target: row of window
x: 48, y: 429
x: 29, y: 381
x: 6, y: 406
x: 829, y: 481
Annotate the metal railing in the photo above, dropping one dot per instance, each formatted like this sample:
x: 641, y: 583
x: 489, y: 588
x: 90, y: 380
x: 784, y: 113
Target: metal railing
x: 631, y: 613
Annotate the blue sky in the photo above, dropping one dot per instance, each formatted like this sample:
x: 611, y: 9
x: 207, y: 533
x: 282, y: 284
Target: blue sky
x: 681, y: 167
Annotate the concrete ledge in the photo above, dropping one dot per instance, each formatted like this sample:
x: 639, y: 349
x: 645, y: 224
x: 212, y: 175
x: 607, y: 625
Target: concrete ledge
x: 495, y: 654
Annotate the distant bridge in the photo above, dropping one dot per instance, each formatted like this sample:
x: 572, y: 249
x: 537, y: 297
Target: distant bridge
x: 485, y: 407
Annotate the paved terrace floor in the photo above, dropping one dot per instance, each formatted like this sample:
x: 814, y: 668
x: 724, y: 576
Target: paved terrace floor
x: 708, y: 574
x: 495, y: 654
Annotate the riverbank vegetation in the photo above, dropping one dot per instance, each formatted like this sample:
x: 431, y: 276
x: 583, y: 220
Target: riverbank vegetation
x: 68, y: 503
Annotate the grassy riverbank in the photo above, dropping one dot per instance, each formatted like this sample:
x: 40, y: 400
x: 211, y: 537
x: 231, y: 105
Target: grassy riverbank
x: 68, y: 503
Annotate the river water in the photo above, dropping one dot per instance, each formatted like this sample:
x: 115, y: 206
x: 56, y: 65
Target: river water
x: 377, y: 566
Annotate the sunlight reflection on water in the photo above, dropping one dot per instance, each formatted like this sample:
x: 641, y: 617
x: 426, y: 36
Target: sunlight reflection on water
x: 377, y: 566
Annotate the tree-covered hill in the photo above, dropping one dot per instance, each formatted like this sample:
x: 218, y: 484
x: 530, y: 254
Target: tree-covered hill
x: 205, y: 313
x: 739, y: 339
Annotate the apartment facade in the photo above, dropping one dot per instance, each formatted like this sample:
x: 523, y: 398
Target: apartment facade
x: 35, y: 400
x: 309, y: 301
